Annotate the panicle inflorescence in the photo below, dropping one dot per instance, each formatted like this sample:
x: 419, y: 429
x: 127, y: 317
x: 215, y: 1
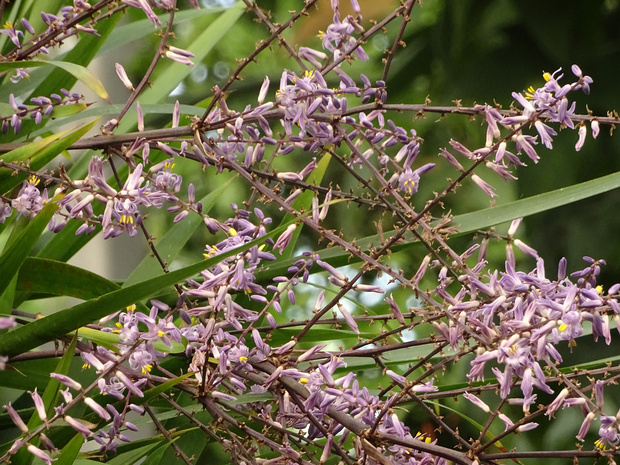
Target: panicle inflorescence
x: 511, y: 324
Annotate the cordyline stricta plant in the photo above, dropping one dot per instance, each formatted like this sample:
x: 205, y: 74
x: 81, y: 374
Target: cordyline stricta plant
x: 287, y: 336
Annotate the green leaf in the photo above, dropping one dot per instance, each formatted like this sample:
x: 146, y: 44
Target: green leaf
x: 28, y: 151
x: 174, y: 73
x: 28, y: 374
x: 43, y: 276
x: 38, y: 154
x: 53, y: 326
x: 316, y: 333
x: 70, y: 451
x: 63, y: 111
x: 83, y: 74
x: 7, y: 298
x: 134, y: 454
x: 15, y: 255
x: 137, y: 30
x: 488, y: 217
x: 155, y: 457
x: 111, y: 340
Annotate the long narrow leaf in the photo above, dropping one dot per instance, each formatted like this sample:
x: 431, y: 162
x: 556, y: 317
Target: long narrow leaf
x: 38, y: 155
x: 168, y: 80
x: 51, y: 327
x: 50, y: 277
x: 79, y: 72
x: 488, y: 217
x: 13, y: 258
x: 470, y: 222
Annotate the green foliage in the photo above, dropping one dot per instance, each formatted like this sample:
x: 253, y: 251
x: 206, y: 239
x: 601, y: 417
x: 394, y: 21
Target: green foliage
x: 466, y: 50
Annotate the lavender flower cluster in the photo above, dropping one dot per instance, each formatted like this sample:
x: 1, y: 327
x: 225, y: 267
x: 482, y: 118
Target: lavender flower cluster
x: 510, y: 324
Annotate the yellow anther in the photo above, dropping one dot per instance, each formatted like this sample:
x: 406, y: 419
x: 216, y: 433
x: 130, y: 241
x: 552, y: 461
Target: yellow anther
x: 303, y: 380
x: 546, y: 76
x: 600, y: 444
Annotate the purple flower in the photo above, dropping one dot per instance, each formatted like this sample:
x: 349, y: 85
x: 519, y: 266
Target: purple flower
x: 78, y: 426
x: 7, y: 322
x: 40, y: 454
x: 17, y: 420
x: 408, y: 180
x: 285, y: 238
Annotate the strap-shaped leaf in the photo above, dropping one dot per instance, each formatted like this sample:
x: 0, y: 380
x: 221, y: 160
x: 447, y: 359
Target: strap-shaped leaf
x: 488, y: 217
x: 79, y: 72
x: 38, y: 154
x: 469, y: 222
x: 174, y: 73
x: 53, y: 326
x: 15, y: 255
